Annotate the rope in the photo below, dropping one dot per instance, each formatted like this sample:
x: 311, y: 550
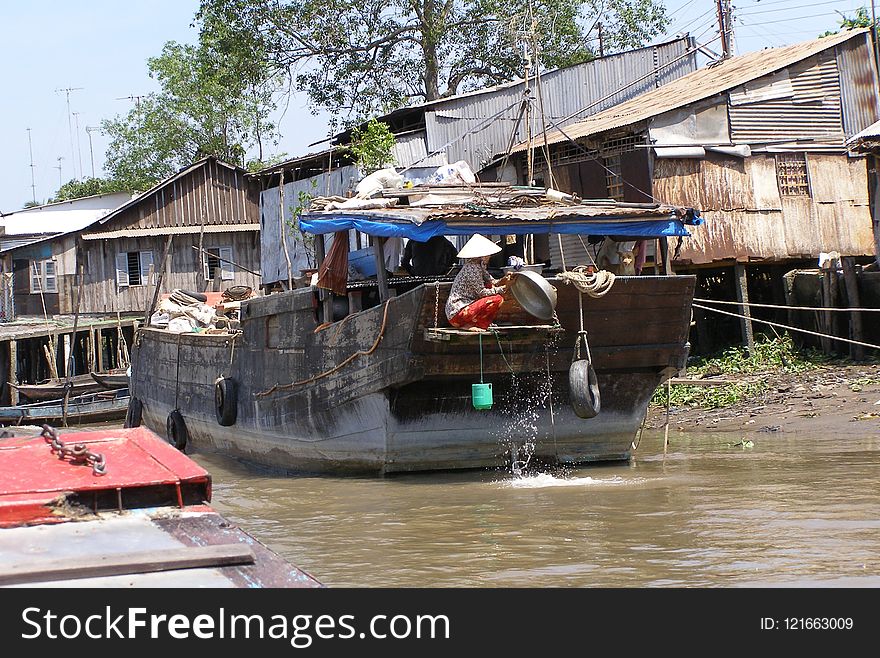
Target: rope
x: 594, y: 284
x: 291, y: 385
x: 785, y: 326
x: 481, y: 357
x: 789, y: 308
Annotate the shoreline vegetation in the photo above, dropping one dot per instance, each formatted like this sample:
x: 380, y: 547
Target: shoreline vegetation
x: 780, y: 388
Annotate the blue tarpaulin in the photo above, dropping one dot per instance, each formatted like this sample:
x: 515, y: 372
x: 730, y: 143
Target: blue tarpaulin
x: 653, y: 228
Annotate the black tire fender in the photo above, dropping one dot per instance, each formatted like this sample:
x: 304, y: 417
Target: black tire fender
x: 583, y: 386
x: 175, y: 430
x: 226, y: 400
x: 134, y: 414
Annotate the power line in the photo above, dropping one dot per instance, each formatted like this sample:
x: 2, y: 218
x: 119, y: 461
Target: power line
x: 789, y: 8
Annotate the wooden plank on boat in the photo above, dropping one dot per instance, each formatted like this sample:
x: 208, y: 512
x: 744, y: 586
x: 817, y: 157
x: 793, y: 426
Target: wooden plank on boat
x: 94, y: 566
x: 435, y: 334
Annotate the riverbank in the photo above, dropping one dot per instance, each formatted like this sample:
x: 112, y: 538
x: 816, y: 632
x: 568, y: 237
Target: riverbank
x: 839, y: 398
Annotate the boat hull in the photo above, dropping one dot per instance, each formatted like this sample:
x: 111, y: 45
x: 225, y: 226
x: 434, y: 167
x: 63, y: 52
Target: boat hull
x: 406, y: 406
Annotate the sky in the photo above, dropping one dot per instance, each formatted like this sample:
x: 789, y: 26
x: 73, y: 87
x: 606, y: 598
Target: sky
x: 98, y: 49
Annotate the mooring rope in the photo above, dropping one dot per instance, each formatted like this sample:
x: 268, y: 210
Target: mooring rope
x: 291, y: 385
x: 595, y: 284
x: 789, y: 308
x: 790, y: 328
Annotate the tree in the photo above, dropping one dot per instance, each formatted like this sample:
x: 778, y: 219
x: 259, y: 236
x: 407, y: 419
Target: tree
x: 214, y: 101
x: 76, y: 189
x: 358, y: 58
x: 861, y: 19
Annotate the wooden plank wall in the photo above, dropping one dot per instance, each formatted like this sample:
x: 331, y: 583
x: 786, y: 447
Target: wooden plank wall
x: 183, y: 270
x: 747, y: 218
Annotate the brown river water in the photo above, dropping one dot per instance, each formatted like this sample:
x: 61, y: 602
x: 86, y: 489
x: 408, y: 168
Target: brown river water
x: 792, y: 510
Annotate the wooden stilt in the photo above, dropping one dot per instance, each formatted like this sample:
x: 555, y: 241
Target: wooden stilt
x: 826, y: 315
x: 13, y: 371
x: 850, y: 280
x: 742, y: 296
x: 99, y: 350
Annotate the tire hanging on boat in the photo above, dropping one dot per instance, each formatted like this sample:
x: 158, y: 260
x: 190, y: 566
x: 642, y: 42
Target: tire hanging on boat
x: 583, y: 385
x: 134, y: 414
x: 226, y: 400
x: 175, y: 430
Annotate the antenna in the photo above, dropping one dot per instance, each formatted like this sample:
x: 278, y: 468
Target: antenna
x: 89, y: 131
x: 136, y: 99
x: 58, y: 167
x: 69, y: 122
x: 78, y: 149
x: 33, y: 181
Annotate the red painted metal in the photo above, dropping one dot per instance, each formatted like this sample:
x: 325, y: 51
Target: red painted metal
x: 32, y: 477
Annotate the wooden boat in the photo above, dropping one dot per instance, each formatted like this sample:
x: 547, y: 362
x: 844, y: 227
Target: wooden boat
x: 85, y: 408
x: 127, y: 511
x: 111, y: 380
x: 53, y: 389
x: 388, y: 388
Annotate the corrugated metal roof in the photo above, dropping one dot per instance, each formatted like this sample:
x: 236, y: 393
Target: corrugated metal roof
x: 698, y: 86
x: 812, y: 83
x: 858, y: 85
x: 171, y: 230
x: 460, y: 127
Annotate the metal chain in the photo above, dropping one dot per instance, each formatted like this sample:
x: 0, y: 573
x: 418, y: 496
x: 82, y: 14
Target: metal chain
x: 79, y: 454
x: 436, y: 303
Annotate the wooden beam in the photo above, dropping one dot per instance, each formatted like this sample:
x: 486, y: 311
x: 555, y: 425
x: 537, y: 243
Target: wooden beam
x: 381, y: 275
x: 118, y: 564
x: 742, y: 296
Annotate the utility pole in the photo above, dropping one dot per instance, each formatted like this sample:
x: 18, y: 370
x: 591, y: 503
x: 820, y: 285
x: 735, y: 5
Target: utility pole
x: 724, y: 27
x: 69, y: 118
x: 89, y: 131
x: 78, y: 149
x: 33, y: 181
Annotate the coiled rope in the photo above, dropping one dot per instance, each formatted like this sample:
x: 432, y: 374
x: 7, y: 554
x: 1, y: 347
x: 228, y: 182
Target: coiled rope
x: 595, y: 284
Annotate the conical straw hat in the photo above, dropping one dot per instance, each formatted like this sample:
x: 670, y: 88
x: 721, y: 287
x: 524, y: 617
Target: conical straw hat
x: 477, y: 247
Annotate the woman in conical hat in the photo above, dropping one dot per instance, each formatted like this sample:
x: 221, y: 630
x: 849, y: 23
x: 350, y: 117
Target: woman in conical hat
x: 475, y: 297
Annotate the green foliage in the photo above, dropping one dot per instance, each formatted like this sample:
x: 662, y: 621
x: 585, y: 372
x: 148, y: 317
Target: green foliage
x: 214, y: 101
x: 861, y: 19
x: 771, y: 355
x: 372, y: 146
x: 302, y: 239
x: 359, y: 58
x: 256, y: 164
x: 77, y: 189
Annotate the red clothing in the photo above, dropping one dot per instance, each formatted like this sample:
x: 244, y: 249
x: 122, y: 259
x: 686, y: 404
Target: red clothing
x: 478, y: 314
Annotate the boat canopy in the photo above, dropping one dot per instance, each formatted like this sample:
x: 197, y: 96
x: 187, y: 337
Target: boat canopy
x: 421, y: 224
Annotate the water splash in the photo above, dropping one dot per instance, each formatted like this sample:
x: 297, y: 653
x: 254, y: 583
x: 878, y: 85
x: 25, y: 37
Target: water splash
x: 544, y: 480
x: 525, y: 405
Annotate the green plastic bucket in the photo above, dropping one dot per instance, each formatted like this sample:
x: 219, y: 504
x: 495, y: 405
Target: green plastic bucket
x: 482, y: 396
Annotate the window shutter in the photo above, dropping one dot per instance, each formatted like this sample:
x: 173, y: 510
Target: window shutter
x: 227, y: 271
x: 146, y: 258
x: 122, y: 270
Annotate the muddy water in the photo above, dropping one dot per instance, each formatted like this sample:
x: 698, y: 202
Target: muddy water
x: 789, y: 511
